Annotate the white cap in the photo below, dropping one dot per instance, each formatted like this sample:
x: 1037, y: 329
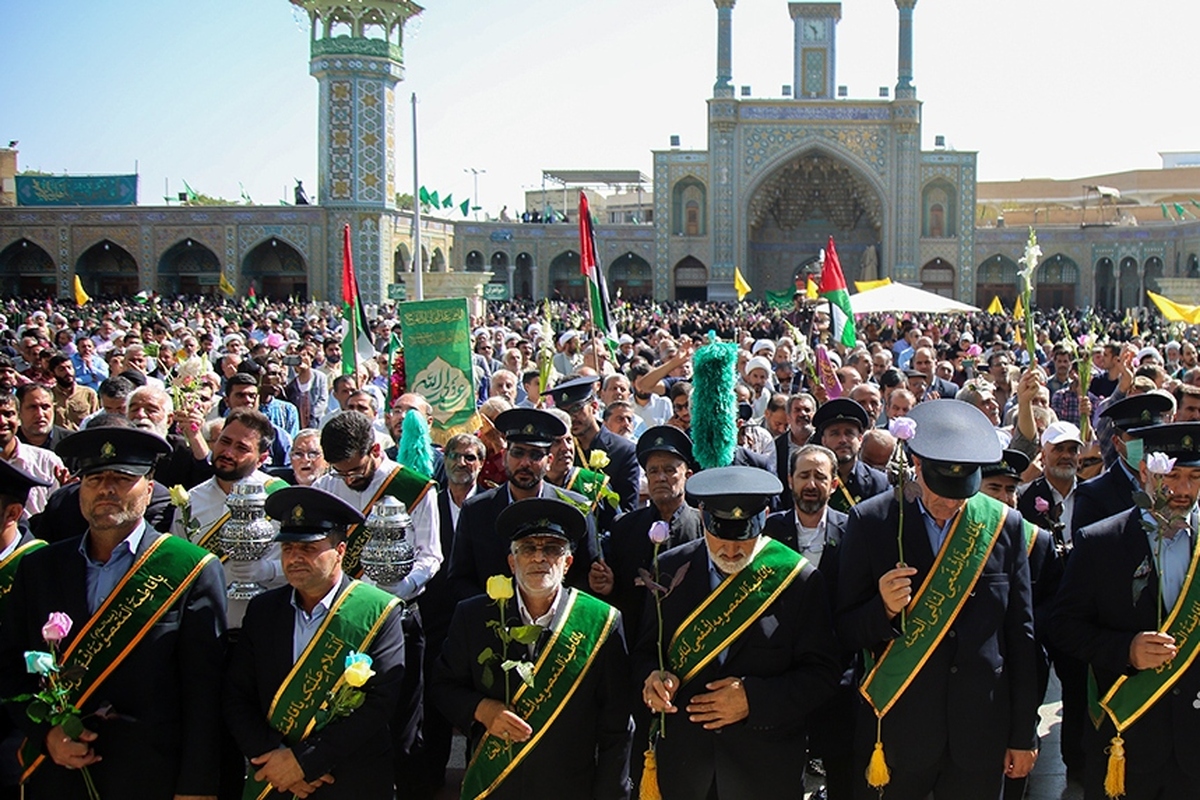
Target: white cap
x: 1061, y: 431
x: 758, y: 362
x: 760, y: 344
x: 233, y: 337
x: 1149, y: 351
x: 625, y: 338
x: 567, y: 336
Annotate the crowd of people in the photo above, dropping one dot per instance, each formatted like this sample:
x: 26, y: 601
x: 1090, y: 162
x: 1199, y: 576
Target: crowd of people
x: 715, y: 557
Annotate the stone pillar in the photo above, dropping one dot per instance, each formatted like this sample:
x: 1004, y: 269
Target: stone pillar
x: 724, y: 85
x: 511, y: 269
x: 904, y: 84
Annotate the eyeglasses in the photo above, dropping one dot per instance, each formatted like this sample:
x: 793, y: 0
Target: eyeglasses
x: 353, y: 474
x: 306, y: 455
x: 470, y: 458
x: 551, y: 551
x: 680, y: 406
x: 532, y: 453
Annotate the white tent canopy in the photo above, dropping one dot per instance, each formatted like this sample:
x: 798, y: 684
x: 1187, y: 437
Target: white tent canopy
x: 899, y: 297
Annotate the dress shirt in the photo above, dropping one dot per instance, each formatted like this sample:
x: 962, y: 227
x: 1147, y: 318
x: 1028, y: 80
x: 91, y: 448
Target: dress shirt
x: 40, y: 463
x: 8, y: 551
x: 1068, y: 508
x: 811, y: 541
x: 103, y: 576
x: 305, y: 624
x: 1173, y: 559
x: 455, y: 509
x: 937, y: 533
x: 545, y: 621
x: 427, y: 541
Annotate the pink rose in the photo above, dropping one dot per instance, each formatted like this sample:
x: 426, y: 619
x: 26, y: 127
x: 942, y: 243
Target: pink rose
x: 974, y: 351
x: 1041, y: 504
x: 660, y: 532
x: 903, y: 428
x: 57, y: 627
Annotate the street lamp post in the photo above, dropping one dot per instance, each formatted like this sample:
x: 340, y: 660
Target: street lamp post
x: 475, y: 173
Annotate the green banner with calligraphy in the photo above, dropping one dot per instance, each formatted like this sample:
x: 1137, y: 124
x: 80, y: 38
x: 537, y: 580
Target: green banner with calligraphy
x: 437, y: 363
x: 77, y: 190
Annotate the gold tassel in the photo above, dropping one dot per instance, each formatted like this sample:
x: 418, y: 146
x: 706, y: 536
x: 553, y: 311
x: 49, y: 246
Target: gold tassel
x: 878, y: 774
x: 1114, y: 779
x: 648, y: 788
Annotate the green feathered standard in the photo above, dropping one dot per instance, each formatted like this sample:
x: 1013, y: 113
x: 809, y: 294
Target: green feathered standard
x: 714, y: 404
x: 416, y: 449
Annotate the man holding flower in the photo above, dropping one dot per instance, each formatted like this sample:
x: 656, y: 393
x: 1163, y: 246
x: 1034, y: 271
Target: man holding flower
x: 286, y: 699
x: 565, y: 730
x: 1128, y: 605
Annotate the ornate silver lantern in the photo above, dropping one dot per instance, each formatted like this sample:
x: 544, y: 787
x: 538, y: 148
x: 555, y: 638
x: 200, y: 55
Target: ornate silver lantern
x: 387, y: 557
x: 248, y: 534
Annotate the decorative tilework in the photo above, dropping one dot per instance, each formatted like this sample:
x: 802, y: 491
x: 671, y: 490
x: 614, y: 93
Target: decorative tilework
x: 762, y: 144
x: 250, y: 236
x: 814, y: 72
x: 839, y: 112
x: 662, y: 224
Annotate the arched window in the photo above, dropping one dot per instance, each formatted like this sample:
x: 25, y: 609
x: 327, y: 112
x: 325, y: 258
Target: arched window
x: 939, y: 209
x: 687, y: 194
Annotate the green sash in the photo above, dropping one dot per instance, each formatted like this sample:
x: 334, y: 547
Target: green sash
x: 583, y: 626
x: 731, y: 608
x: 588, y: 483
x: 1131, y: 695
x: 842, y: 500
x: 404, y: 484
x: 211, y: 540
x: 1031, y: 532
x: 8, y: 567
x: 149, y: 589
x: 941, y: 597
x: 351, y: 624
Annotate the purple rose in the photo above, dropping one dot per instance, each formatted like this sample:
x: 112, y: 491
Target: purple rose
x: 660, y: 532
x: 903, y: 428
x: 1041, y: 504
x: 56, y: 628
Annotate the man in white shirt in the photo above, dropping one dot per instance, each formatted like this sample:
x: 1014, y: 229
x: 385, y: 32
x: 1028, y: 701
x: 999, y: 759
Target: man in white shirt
x: 243, y: 446
x: 38, y: 462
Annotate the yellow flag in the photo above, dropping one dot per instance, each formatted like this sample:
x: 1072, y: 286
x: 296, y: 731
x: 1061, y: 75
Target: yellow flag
x: 1176, y: 312
x: 996, y: 306
x: 1018, y: 339
x: 1135, y: 328
x: 81, y: 297
x: 866, y: 286
x: 226, y: 287
x: 1018, y: 309
x: 810, y: 288
x: 739, y: 284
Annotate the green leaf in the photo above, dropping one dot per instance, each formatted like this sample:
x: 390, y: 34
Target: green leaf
x: 485, y: 655
x: 354, y: 700
x: 525, y: 634
x: 522, y: 668
x: 488, y: 678
x: 1142, y: 500
x: 73, y: 726
x: 38, y: 711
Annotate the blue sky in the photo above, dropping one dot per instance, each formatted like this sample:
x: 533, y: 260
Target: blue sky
x: 218, y: 92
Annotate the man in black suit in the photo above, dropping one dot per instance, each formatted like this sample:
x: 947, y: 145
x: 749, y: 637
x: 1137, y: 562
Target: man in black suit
x: 966, y: 716
x: 1049, y: 501
x: 321, y: 615
x: 925, y: 362
x: 815, y: 530
x: 840, y: 424
x: 800, y: 410
x: 577, y: 397
x: 1108, y: 614
x: 567, y: 734
x: 748, y: 645
x: 159, y: 671
x: 477, y: 552
x: 1111, y: 492
x: 464, y: 461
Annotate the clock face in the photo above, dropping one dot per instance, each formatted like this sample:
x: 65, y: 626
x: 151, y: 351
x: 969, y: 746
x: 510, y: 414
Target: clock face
x: 814, y: 30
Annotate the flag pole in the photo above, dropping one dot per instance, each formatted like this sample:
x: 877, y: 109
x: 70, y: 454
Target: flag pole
x: 583, y: 250
x: 417, y: 262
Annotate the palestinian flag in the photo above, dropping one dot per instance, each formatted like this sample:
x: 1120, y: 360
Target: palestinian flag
x: 356, y: 340
x: 590, y: 267
x: 833, y: 289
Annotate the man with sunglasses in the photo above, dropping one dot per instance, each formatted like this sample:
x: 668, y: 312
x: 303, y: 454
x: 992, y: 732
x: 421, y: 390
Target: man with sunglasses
x: 569, y: 733
x: 361, y: 474
x: 478, y: 552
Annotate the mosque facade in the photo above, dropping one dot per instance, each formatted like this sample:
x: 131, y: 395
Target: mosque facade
x: 778, y: 177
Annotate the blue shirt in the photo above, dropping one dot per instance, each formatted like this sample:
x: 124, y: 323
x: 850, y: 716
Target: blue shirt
x: 1173, y: 558
x: 89, y: 373
x: 304, y: 628
x: 936, y: 533
x: 103, y: 577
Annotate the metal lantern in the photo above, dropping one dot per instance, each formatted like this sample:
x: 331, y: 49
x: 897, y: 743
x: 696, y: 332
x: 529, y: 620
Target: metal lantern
x: 248, y: 534
x: 387, y: 557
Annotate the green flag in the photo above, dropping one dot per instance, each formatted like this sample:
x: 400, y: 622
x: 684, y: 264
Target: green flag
x: 191, y: 196
x: 465, y: 207
x: 392, y: 347
x: 1180, y: 211
x: 433, y: 199
x: 833, y: 289
x: 448, y: 202
x: 423, y: 196
x: 782, y: 299
x: 1166, y: 214
x: 437, y: 362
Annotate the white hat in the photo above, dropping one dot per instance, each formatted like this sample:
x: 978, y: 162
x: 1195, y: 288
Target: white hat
x: 233, y: 337
x: 1148, y: 351
x: 625, y: 338
x: 1061, y: 431
x: 567, y: 336
x: 760, y: 344
x: 758, y: 362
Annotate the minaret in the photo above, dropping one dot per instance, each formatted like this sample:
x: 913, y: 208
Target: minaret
x: 904, y: 84
x: 357, y: 57
x: 724, y: 85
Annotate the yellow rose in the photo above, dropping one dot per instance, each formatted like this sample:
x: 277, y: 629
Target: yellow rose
x: 598, y: 460
x: 179, y: 496
x: 358, y: 673
x: 500, y: 587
